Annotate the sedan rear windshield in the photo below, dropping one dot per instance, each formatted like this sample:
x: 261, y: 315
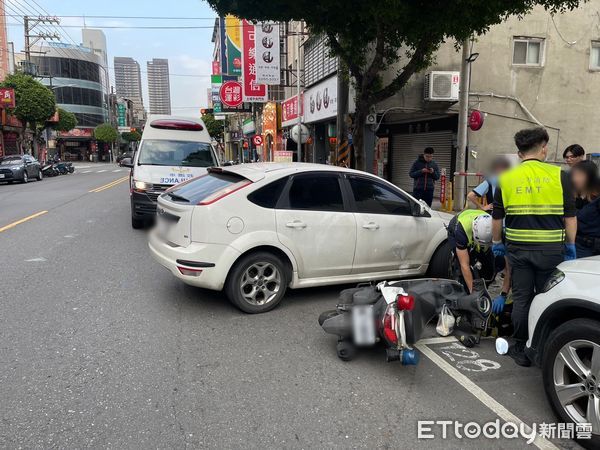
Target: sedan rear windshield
x: 155, y: 152
x: 201, y: 188
x: 9, y: 161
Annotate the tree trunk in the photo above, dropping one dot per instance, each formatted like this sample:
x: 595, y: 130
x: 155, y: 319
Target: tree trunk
x: 360, y: 119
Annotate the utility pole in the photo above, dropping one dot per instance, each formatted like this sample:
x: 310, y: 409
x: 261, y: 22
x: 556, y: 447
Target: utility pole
x: 342, y: 149
x: 298, y: 87
x: 463, y: 120
x: 32, y: 37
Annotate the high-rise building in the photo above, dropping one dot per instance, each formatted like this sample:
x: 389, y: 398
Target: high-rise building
x: 129, y: 84
x: 4, y: 47
x: 96, y: 40
x: 159, y: 91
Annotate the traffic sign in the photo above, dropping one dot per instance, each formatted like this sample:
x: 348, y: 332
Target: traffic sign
x: 231, y: 93
x: 257, y: 140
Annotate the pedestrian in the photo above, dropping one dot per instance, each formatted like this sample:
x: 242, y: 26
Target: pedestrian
x: 487, y: 188
x: 425, y: 172
x: 537, y: 204
x: 586, y: 182
x: 573, y: 154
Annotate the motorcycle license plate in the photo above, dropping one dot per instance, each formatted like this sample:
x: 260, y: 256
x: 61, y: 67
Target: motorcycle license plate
x: 363, y: 325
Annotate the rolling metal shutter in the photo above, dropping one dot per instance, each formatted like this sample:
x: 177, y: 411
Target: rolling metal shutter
x: 407, y: 147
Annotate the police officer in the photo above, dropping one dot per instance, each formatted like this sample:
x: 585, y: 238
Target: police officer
x: 537, y: 203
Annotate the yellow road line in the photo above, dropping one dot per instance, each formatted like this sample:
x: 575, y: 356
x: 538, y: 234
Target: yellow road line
x: 18, y: 222
x: 109, y: 185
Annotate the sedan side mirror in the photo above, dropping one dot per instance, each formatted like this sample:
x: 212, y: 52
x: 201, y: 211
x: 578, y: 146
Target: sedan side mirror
x: 127, y: 162
x: 419, y: 209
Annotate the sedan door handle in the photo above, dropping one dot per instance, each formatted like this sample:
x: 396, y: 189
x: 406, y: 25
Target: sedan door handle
x: 295, y: 224
x: 371, y: 226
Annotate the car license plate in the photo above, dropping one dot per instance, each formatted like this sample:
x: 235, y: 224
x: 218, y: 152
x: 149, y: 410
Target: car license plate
x: 1, y: 175
x: 363, y: 325
x: 162, y: 227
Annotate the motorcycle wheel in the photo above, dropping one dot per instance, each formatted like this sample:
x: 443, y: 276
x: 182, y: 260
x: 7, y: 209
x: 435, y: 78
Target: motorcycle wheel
x: 346, y: 351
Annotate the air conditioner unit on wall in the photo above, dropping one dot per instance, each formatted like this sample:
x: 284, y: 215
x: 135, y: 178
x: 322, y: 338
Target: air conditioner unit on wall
x: 442, y: 86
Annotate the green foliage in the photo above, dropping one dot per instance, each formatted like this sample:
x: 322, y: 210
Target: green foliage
x: 106, y: 133
x: 213, y: 126
x: 66, y: 121
x: 370, y: 36
x: 131, y: 136
x: 35, y: 103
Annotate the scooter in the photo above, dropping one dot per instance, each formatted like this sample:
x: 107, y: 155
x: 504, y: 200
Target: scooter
x: 64, y: 167
x: 49, y: 170
x: 398, y: 312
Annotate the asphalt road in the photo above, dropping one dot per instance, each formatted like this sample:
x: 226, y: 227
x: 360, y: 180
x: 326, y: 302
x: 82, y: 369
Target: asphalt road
x: 101, y: 347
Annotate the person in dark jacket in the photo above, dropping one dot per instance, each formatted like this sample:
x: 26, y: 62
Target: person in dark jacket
x: 586, y: 182
x: 425, y: 172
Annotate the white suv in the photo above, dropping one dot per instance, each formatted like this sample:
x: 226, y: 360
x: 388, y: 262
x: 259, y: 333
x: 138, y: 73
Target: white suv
x: 255, y: 229
x: 564, y: 329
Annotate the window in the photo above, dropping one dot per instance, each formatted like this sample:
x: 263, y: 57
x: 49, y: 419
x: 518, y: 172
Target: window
x: 268, y: 195
x: 160, y: 152
x: 203, y: 187
x: 316, y: 192
x: 528, y: 51
x: 595, y: 56
x: 375, y: 198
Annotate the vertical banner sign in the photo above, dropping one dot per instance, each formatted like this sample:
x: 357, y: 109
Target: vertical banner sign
x: 233, y: 32
x: 216, y: 68
x: 443, y: 187
x: 268, y: 60
x: 122, y: 114
x: 215, y: 88
x: 222, y: 45
x: 252, y: 92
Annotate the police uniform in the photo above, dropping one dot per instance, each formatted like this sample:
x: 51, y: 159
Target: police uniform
x: 533, y: 198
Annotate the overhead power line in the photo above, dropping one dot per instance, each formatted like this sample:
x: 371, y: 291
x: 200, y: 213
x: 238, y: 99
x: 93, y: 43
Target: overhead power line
x: 133, y: 27
x: 124, y: 17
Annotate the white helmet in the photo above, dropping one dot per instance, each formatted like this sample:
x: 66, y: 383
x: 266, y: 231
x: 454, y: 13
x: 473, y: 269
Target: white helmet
x: 482, y: 229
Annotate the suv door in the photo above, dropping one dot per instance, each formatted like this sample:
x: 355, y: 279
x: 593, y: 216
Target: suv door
x: 388, y: 236
x: 313, y: 222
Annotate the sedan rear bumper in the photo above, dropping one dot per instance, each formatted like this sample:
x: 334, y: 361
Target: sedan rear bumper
x: 211, y: 262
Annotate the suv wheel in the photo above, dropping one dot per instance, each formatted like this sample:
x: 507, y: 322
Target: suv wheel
x: 40, y: 175
x: 257, y: 282
x: 571, y: 372
x: 25, y: 177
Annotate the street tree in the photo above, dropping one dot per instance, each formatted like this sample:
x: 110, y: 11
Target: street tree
x: 131, y: 136
x: 107, y: 134
x: 35, y: 104
x: 213, y: 126
x: 66, y: 121
x: 370, y: 37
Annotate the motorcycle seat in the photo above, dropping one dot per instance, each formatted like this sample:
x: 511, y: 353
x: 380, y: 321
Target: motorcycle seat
x: 360, y: 296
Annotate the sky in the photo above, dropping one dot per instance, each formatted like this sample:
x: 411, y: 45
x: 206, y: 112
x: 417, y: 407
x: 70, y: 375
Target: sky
x: 189, y: 51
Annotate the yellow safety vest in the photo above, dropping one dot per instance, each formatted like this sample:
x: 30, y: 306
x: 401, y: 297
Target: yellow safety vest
x: 532, y: 194
x: 466, y: 218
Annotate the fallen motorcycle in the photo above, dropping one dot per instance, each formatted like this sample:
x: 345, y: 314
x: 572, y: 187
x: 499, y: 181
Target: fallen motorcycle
x: 50, y: 170
x: 398, y: 312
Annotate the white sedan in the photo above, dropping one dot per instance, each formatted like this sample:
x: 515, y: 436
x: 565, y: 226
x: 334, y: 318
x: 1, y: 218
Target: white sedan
x: 256, y: 229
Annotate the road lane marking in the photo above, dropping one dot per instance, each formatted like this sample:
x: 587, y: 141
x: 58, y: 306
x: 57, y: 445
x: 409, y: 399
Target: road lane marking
x: 100, y: 171
x: 118, y: 170
x: 86, y: 171
x: 109, y: 185
x: 487, y: 400
x: 25, y: 219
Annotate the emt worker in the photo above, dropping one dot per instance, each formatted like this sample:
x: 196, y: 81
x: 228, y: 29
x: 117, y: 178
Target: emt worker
x: 537, y: 203
x: 425, y: 172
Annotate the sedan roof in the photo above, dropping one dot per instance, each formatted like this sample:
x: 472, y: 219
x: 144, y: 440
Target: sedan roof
x: 258, y: 171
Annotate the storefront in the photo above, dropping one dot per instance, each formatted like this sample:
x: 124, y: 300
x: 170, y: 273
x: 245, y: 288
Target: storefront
x: 320, y: 111
x: 408, y: 140
x: 79, y: 145
x: 272, y: 136
x: 289, y: 119
x: 11, y: 132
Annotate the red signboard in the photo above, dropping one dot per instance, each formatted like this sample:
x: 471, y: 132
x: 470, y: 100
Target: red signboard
x: 77, y: 133
x: 7, y: 98
x: 257, y: 140
x: 252, y: 92
x: 231, y: 94
x: 289, y: 109
x: 476, y: 119
x: 216, y: 68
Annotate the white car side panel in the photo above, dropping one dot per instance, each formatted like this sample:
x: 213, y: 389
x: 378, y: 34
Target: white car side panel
x: 322, y: 242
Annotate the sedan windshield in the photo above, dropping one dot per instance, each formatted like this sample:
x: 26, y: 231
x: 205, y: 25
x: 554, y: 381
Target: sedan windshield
x: 11, y: 160
x: 176, y: 153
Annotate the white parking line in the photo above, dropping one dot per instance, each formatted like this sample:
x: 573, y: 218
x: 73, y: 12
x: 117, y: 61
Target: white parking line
x: 100, y: 171
x: 86, y: 171
x: 479, y: 393
x: 118, y: 170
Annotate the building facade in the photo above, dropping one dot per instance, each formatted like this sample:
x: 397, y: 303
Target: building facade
x: 79, y: 80
x: 159, y: 90
x: 542, y: 69
x: 128, y: 84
